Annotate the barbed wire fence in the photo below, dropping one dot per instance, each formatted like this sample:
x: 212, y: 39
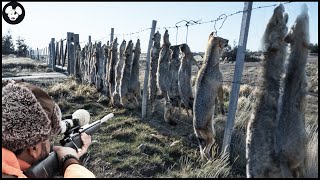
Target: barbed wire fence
x: 44, y: 52
x: 187, y: 24
x: 63, y: 54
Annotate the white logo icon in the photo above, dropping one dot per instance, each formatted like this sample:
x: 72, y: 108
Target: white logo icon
x: 13, y: 14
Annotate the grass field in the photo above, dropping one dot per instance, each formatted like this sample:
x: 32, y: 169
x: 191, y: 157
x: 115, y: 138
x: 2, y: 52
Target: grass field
x: 127, y: 146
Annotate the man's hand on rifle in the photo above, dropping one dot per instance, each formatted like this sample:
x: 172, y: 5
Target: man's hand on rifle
x: 63, y: 151
x: 69, y: 153
x: 66, y: 152
x: 86, y: 140
x: 66, y: 156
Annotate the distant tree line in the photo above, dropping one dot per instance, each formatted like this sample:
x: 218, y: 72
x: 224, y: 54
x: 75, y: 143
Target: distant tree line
x: 231, y: 53
x: 21, y: 49
x: 313, y: 48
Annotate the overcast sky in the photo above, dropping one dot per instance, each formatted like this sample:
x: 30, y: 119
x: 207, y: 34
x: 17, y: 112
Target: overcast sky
x: 46, y: 20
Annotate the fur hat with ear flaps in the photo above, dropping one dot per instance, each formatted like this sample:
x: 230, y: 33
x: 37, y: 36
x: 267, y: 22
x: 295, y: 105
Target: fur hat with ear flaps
x: 29, y: 116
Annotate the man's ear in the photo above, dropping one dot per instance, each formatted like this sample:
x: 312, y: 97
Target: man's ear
x: 35, y: 151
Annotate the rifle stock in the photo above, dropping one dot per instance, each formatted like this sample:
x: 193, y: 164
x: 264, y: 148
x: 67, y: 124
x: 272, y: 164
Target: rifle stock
x: 49, y: 167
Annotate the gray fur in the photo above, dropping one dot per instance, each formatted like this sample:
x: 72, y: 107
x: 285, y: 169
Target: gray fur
x: 262, y: 159
x: 106, y: 70
x: 93, y: 63
x: 184, y: 77
x: 125, y: 77
x: 292, y: 131
x: 134, y: 85
x: 173, y: 92
x: 118, y: 69
x: 112, y: 66
x: 98, y: 77
x: 174, y: 66
x: 155, y: 50
x: 163, y: 66
x: 207, y: 86
x: 120, y: 63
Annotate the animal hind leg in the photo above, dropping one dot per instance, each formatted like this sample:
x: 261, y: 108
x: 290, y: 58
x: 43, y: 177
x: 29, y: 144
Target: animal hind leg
x: 206, y: 140
x: 211, y: 138
x: 201, y: 136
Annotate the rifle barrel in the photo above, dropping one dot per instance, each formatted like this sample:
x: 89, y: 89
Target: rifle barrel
x: 107, y: 117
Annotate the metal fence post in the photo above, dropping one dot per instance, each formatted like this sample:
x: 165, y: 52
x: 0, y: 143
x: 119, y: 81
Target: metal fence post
x: 237, y: 76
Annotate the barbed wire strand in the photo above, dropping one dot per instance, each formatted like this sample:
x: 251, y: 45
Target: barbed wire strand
x: 215, y: 22
x: 187, y: 24
x: 219, y: 18
x: 205, y: 22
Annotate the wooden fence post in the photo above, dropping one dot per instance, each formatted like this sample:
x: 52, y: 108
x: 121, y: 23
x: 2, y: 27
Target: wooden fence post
x: 76, y: 44
x: 61, y: 53
x: 57, y: 53
x: 111, y: 36
x: 89, y: 60
x: 77, y: 58
x: 53, y: 54
x: 65, y: 55
x: 38, y: 56
x: 237, y: 76
x: 70, y: 65
x: 146, y: 73
x: 76, y: 40
x: 49, y: 54
x: 98, y: 77
x: 72, y: 50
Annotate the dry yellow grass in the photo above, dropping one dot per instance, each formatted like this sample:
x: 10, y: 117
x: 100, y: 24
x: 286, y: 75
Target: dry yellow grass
x: 312, y: 73
x: 188, y: 168
x: 245, y: 90
x: 312, y: 151
x: 85, y: 90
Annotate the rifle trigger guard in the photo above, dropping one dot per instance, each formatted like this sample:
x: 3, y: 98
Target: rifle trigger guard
x: 75, y: 145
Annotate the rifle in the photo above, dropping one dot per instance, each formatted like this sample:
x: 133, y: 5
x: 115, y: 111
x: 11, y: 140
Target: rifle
x: 49, y: 167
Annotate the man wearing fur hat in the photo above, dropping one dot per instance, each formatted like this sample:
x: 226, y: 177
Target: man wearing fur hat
x: 30, y: 119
